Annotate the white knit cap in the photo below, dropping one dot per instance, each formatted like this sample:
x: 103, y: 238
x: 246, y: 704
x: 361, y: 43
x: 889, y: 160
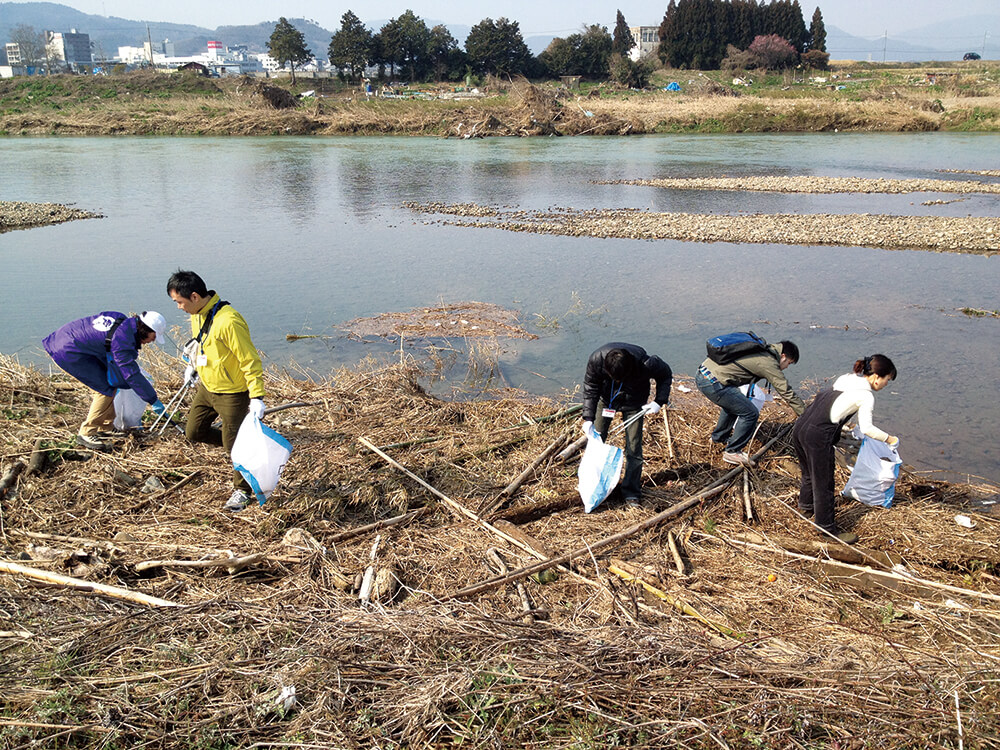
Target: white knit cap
x: 155, y: 321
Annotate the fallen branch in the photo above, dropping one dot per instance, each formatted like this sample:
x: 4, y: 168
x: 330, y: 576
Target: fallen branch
x: 163, y: 493
x: 86, y: 586
x: 394, y: 521
x: 232, y: 564
x: 10, y: 478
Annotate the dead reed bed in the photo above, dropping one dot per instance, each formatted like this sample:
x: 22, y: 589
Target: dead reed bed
x: 726, y: 624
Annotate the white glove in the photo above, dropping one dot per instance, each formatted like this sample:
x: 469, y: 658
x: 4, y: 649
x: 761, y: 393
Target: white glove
x: 257, y: 408
x: 589, y: 431
x: 651, y: 408
x: 190, y: 375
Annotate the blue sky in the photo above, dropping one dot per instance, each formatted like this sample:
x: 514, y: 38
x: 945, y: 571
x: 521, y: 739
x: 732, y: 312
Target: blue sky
x: 867, y: 18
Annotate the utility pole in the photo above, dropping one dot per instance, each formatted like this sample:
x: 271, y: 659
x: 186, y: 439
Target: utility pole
x: 149, y: 40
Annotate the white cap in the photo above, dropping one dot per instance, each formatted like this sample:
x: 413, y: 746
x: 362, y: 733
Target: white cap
x: 155, y: 321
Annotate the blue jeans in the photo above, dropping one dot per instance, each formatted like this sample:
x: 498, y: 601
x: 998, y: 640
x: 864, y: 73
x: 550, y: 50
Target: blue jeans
x: 738, y: 416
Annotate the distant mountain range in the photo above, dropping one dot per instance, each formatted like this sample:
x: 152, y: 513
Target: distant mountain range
x: 944, y: 41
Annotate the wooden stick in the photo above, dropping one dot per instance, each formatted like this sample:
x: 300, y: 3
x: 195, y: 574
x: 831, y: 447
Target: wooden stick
x: 87, y: 586
x: 162, y: 493
x: 572, y: 449
x: 893, y: 580
x: 672, y: 543
x: 529, y: 618
x: 747, y: 506
x: 395, y: 520
x: 666, y: 428
x: 67, y: 727
x: 369, y: 577
x: 511, y: 488
x: 234, y: 564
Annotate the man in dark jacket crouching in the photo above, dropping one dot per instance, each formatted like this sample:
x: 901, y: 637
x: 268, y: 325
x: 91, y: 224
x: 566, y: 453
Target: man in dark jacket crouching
x: 617, y: 380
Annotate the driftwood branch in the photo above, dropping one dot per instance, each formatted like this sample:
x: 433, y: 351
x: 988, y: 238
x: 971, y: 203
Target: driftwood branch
x: 675, y: 551
x: 526, y: 606
x: 39, y: 457
x: 666, y: 429
x: 163, y: 493
x: 10, y: 477
x: 511, y: 488
x: 232, y: 564
x: 87, y: 586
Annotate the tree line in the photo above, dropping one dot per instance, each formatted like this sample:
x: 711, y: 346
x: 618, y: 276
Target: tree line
x: 705, y: 34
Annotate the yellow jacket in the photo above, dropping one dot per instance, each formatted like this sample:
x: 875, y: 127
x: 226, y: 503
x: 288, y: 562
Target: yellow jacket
x: 227, y: 361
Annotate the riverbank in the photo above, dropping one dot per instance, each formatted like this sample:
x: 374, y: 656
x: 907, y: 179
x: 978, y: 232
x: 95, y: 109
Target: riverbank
x: 710, y: 614
x: 23, y: 215
x: 850, y: 98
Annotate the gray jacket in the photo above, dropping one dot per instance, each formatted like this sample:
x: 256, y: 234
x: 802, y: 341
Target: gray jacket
x: 753, y: 367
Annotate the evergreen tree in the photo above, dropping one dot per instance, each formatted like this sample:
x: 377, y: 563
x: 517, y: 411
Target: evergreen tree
x: 594, y: 52
x: 497, y: 47
x: 447, y: 60
x: 623, y: 40
x: 817, y: 32
x: 351, y: 47
x: 558, y: 59
x: 287, y: 45
x: 669, y: 35
x: 406, y: 41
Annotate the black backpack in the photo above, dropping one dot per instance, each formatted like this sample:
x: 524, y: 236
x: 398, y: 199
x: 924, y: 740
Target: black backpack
x: 731, y: 346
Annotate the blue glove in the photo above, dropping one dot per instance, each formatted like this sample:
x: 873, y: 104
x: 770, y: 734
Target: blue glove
x: 158, y: 407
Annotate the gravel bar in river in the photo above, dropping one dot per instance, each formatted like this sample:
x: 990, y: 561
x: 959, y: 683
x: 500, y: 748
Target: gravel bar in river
x: 20, y: 215
x: 809, y: 184
x: 974, y: 235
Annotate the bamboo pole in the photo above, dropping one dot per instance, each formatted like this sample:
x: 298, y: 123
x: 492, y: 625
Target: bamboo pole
x: 101, y: 589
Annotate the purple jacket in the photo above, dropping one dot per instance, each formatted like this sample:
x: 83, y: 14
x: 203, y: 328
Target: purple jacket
x: 78, y: 348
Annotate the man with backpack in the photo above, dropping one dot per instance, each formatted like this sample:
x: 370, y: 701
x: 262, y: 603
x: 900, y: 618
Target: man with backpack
x: 229, y: 370
x: 101, y: 351
x: 738, y: 359
x: 617, y: 380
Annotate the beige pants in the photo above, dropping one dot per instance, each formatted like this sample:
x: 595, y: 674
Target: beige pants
x: 101, y: 417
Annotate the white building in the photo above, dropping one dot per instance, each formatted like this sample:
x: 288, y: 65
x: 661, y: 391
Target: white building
x: 647, y: 41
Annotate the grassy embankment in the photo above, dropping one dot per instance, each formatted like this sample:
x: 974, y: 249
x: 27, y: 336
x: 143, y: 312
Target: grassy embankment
x: 862, y: 97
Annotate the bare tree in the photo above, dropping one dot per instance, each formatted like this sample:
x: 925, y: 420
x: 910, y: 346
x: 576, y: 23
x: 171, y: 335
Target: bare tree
x: 31, y: 44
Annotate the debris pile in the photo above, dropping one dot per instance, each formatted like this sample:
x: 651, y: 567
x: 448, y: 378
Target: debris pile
x: 400, y: 590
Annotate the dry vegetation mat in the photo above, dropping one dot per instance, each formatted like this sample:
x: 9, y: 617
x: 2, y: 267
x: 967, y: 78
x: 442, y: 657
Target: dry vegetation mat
x: 459, y: 319
x: 400, y: 590
x: 976, y: 235
x: 21, y: 215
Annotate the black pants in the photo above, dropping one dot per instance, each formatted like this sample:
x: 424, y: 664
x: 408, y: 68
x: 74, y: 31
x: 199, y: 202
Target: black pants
x: 814, y: 437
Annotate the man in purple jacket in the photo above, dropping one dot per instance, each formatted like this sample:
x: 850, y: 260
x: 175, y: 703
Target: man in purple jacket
x: 100, y: 351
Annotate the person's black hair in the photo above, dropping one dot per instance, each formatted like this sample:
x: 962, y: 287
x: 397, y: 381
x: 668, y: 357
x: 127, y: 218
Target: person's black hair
x: 790, y: 350
x: 619, y: 364
x: 141, y: 329
x: 877, y: 364
x: 186, y: 283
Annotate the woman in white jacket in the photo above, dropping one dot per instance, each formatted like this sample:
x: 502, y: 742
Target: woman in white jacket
x: 817, y: 431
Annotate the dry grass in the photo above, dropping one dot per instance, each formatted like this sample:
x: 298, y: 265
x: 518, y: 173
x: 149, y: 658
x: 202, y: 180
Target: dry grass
x: 818, y: 660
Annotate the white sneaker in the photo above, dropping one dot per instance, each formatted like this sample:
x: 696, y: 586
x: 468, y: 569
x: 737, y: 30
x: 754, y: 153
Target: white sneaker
x: 237, y: 501
x: 740, y: 459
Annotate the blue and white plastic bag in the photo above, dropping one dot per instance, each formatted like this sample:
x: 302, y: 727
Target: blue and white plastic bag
x: 599, y: 472
x: 873, y: 478
x: 259, y: 454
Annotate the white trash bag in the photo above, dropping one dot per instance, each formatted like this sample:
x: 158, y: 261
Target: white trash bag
x: 759, y: 396
x: 599, y: 472
x: 259, y: 454
x: 873, y: 478
x: 129, y: 407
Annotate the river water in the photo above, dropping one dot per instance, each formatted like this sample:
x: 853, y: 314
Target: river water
x: 302, y: 234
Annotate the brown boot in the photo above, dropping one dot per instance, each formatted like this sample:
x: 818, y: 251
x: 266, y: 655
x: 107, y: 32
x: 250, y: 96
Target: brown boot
x: 848, y: 537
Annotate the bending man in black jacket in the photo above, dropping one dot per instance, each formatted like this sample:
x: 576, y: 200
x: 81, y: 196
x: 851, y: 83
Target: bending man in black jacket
x: 617, y: 380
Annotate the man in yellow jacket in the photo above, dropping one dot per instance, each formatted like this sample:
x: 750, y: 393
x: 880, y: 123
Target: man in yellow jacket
x: 230, y: 374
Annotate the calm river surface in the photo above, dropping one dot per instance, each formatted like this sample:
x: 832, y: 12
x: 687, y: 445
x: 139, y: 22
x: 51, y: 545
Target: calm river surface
x: 302, y: 234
